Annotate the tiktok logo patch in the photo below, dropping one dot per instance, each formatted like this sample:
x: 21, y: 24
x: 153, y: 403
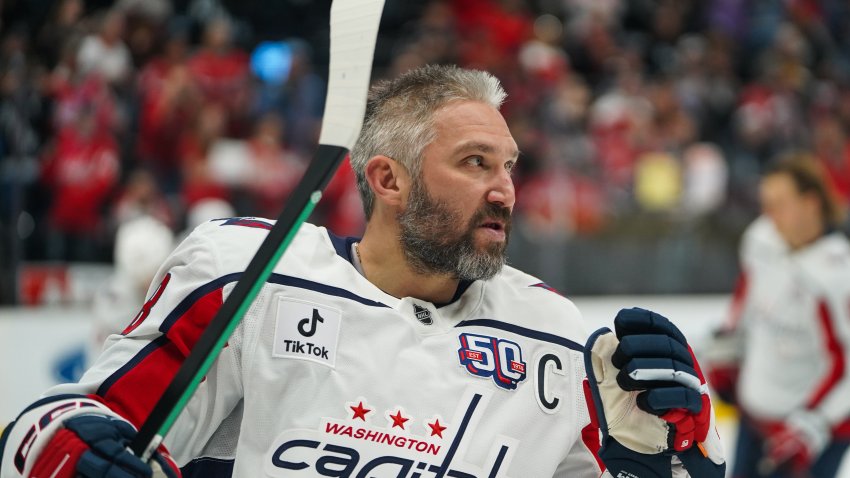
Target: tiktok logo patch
x: 306, y: 331
x: 307, y: 327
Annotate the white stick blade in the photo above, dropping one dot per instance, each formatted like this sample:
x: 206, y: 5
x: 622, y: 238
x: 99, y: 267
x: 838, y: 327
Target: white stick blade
x: 354, y: 31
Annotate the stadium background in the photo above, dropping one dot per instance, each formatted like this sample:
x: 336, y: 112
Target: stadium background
x: 643, y: 126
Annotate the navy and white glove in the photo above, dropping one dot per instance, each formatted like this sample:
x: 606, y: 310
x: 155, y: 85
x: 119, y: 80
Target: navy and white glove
x: 96, y: 446
x: 650, y: 400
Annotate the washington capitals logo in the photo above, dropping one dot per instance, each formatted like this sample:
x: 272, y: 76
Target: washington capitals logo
x: 422, y: 315
x: 357, y: 447
x: 485, y: 356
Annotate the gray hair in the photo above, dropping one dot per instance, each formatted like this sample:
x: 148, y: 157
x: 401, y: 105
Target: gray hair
x: 399, y: 120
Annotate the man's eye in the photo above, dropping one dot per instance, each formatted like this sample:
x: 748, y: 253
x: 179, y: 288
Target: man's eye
x: 475, y: 160
x: 509, y: 166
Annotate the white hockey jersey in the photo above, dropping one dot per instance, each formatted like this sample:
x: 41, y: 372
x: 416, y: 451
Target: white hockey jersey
x: 795, y: 316
x: 329, y: 376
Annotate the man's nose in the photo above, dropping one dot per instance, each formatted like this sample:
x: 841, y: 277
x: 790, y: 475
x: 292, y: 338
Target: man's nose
x: 502, y: 191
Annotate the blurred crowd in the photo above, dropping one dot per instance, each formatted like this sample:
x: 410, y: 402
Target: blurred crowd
x: 643, y: 124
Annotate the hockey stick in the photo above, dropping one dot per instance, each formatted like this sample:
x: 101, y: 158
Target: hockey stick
x: 354, y: 30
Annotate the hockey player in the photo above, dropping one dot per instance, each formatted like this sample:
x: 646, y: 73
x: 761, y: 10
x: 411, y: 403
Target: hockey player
x: 783, y: 359
x: 413, y: 352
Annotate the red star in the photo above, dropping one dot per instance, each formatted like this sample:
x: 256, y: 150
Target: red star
x: 436, y: 428
x: 398, y: 420
x: 359, y: 411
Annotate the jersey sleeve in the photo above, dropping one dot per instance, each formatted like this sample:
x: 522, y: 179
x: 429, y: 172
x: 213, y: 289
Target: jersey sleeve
x: 582, y: 459
x: 136, y: 366
x: 829, y: 396
x: 760, y: 243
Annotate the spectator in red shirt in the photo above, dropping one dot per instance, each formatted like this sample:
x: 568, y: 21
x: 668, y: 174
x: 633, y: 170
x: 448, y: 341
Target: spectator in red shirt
x: 492, y: 32
x: 169, y: 101
x: 72, y: 91
x: 833, y: 150
x: 81, y: 171
x: 275, y: 169
x: 222, y: 73
x: 197, y: 182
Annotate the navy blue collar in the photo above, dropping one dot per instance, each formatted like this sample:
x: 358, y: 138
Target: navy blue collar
x: 342, y: 246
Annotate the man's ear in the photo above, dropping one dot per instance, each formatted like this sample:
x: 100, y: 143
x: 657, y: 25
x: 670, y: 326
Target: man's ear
x: 389, y: 180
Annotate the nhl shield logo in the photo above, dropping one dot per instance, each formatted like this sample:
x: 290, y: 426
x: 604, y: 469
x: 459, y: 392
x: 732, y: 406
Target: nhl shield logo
x: 423, y: 315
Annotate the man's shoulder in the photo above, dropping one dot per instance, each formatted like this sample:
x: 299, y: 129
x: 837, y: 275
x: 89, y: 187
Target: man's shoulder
x: 235, y: 240
x: 835, y: 244
x: 529, y: 288
x: 532, y: 303
x: 762, y: 231
x: 828, y: 261
x: 243, y: 228
x: 761, y: 241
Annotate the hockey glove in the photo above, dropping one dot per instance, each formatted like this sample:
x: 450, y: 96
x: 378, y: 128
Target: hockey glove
x: 650, y: 400
x: 795, y: 444
x: 96, y: 446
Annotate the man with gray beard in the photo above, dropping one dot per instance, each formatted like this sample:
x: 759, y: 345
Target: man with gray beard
x: 412, y: 352
x: 427, y: 227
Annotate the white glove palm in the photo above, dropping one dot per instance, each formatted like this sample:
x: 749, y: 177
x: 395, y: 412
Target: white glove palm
x: 650, y: 399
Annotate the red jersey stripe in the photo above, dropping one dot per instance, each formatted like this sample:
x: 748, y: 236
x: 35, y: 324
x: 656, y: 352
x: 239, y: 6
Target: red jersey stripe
x: 133, y: 391
x: 836, y: 356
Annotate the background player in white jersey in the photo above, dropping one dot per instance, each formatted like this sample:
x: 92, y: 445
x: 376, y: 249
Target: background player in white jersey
x: 414, y: 352
x: 784, y: 356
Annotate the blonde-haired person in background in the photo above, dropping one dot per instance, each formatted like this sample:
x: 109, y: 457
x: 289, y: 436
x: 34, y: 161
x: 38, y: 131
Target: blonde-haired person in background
x: 784, y: 357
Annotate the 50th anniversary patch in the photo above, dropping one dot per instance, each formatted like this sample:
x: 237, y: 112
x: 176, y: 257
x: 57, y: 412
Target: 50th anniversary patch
x: 306, y: 331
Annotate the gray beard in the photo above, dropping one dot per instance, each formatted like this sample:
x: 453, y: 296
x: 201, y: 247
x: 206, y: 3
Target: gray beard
x: 431, y: 244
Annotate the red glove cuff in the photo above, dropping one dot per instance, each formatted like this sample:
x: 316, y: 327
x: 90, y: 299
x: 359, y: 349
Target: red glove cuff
x: 60, y: 456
